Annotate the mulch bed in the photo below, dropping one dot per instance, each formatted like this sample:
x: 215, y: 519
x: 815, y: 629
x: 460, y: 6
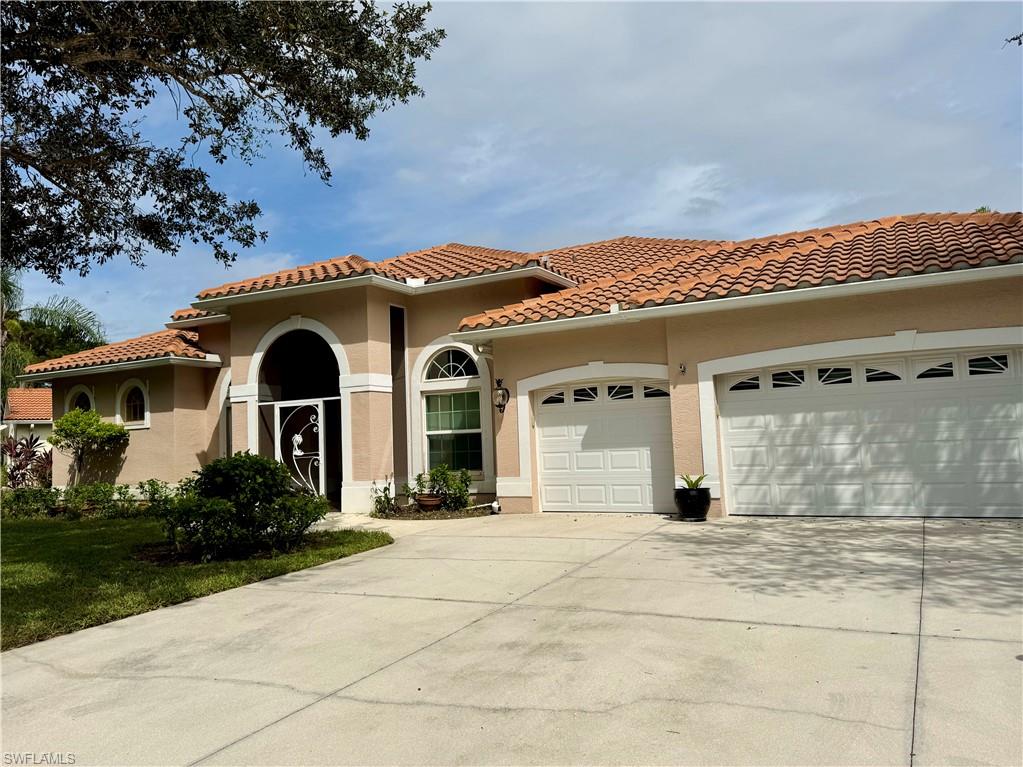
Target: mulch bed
x: 413, y: 513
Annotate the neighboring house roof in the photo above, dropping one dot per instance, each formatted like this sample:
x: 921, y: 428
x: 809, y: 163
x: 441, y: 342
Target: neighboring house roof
x: 898, y: 246
x: 176, y: 343
x: 35, y: 405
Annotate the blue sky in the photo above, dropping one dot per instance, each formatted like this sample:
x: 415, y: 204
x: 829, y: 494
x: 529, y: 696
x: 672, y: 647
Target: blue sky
x: 551, y: 124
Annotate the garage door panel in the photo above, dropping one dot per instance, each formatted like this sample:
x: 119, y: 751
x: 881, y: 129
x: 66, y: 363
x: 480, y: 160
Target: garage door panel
x: 551, y: 461
x: 794, y: 456
x: 591, y: 495
x: 629, y: 496
x: 892, y: 495
x: 750, y: 456
x: 556, y: 494
x: 797, y: 496
x: 588, y: 460
x: 846, y: 455
x: 998, y: 451
x: 627, y: 460
x: 908, y: 447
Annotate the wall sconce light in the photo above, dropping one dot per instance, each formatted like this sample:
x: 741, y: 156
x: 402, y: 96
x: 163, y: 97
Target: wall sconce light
x: 682, y: 368
x: 501, y: 395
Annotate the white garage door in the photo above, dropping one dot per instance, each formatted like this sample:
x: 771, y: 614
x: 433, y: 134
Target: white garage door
x: 932, y: 435
x: 605, y: 446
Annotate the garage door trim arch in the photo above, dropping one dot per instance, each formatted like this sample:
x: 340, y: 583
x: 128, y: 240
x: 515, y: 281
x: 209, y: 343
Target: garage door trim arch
x: 898, y: 342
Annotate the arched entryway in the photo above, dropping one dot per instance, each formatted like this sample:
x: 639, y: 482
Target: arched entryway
x: 300, y: 410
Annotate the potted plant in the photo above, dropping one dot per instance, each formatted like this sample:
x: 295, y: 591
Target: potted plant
x: 693, y: 500
x: 423, y: 493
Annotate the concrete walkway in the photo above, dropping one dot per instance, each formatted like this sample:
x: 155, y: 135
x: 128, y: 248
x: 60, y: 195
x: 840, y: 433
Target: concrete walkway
x: 565, y: 639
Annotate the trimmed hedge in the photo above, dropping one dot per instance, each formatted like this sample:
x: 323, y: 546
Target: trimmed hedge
x: 238, y: 506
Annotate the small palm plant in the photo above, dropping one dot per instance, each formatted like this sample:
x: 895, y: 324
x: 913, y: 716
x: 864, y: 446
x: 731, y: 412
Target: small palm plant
x: 692, y: 500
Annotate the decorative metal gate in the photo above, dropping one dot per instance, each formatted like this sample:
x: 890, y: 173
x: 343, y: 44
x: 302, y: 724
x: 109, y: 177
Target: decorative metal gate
x: 299, y: 442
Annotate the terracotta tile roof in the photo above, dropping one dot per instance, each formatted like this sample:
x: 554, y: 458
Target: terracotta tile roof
x: 321, y: 271
x: 29, y: 405
x: 453, y: 260
x: 441, y: 262
x: 163, y: 343
x: 597, y: 260
x: 869, y: 250
x: 192, y: 314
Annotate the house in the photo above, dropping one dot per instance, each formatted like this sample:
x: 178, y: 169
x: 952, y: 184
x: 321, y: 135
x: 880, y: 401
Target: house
x: 29, y: 411
x: 873, y: 368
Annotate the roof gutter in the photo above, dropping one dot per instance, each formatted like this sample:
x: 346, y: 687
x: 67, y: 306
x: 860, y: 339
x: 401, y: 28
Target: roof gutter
x: 211, y: 361
x: 409, y: 288
x: 618, y: 315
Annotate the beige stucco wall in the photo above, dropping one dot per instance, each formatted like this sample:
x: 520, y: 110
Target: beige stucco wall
x: 171, y: 447
x: 712, y: 335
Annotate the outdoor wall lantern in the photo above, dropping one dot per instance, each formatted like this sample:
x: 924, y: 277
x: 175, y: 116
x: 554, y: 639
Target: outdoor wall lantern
x: 501, y: 395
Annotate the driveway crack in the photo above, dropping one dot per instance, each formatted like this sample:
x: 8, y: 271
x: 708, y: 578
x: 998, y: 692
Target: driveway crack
x: 606, y: 710
x: 70, y: 673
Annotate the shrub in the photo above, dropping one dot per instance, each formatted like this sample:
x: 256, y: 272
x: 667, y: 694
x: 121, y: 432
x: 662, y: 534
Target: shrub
x: 157, y: 496
x: 451, y: 486
x: 42, y: 468
x: 240, y: 505
x: 384, y: 503
x: 21, y: 455
x: 29, y: 501
x: 82, y: 435
x: 102, y: 499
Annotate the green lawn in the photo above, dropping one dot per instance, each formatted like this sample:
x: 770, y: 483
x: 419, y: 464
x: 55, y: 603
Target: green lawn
x: 58, y: 576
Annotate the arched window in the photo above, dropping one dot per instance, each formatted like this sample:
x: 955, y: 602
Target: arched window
x: 133, y: 405
x: 451, y: 363
x: 451, y: 405
x: 134, y: 410
x: 79, y: 398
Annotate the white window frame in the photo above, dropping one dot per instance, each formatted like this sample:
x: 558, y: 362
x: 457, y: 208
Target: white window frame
x: 122, y: 392
x: 73, y: 393
x: 419, y: 387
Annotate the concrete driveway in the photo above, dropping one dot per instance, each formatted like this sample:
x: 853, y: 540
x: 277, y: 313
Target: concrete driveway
x: 565, y: 639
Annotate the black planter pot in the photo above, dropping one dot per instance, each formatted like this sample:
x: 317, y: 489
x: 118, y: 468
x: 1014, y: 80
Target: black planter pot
x: 692, y: 503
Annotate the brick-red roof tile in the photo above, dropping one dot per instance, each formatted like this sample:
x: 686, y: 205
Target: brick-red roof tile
x: 29, y: 405
x: 163, y: 343
x: 868, y: 250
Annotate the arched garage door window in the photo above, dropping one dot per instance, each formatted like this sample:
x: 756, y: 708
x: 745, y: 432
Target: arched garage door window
x: 451, y: 399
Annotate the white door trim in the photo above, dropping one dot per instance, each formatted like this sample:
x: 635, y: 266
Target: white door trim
x: 522, y: 485
x: 898, y: 342
x: 251, y: 395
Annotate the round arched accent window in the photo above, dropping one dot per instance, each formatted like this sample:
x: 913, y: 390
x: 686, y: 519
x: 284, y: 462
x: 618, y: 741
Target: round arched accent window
x: 78, y: 398
x: 451, y: 363
x: 134, y: 408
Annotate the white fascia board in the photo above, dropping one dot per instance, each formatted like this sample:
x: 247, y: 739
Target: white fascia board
x: 216, y: 319
x: 22, y: 422
x: 211, y: 361
x: 821, y: 292
x: 386, y: 283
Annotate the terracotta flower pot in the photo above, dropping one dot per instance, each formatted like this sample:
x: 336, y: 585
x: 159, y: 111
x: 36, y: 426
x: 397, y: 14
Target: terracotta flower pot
x: 428, y: 501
